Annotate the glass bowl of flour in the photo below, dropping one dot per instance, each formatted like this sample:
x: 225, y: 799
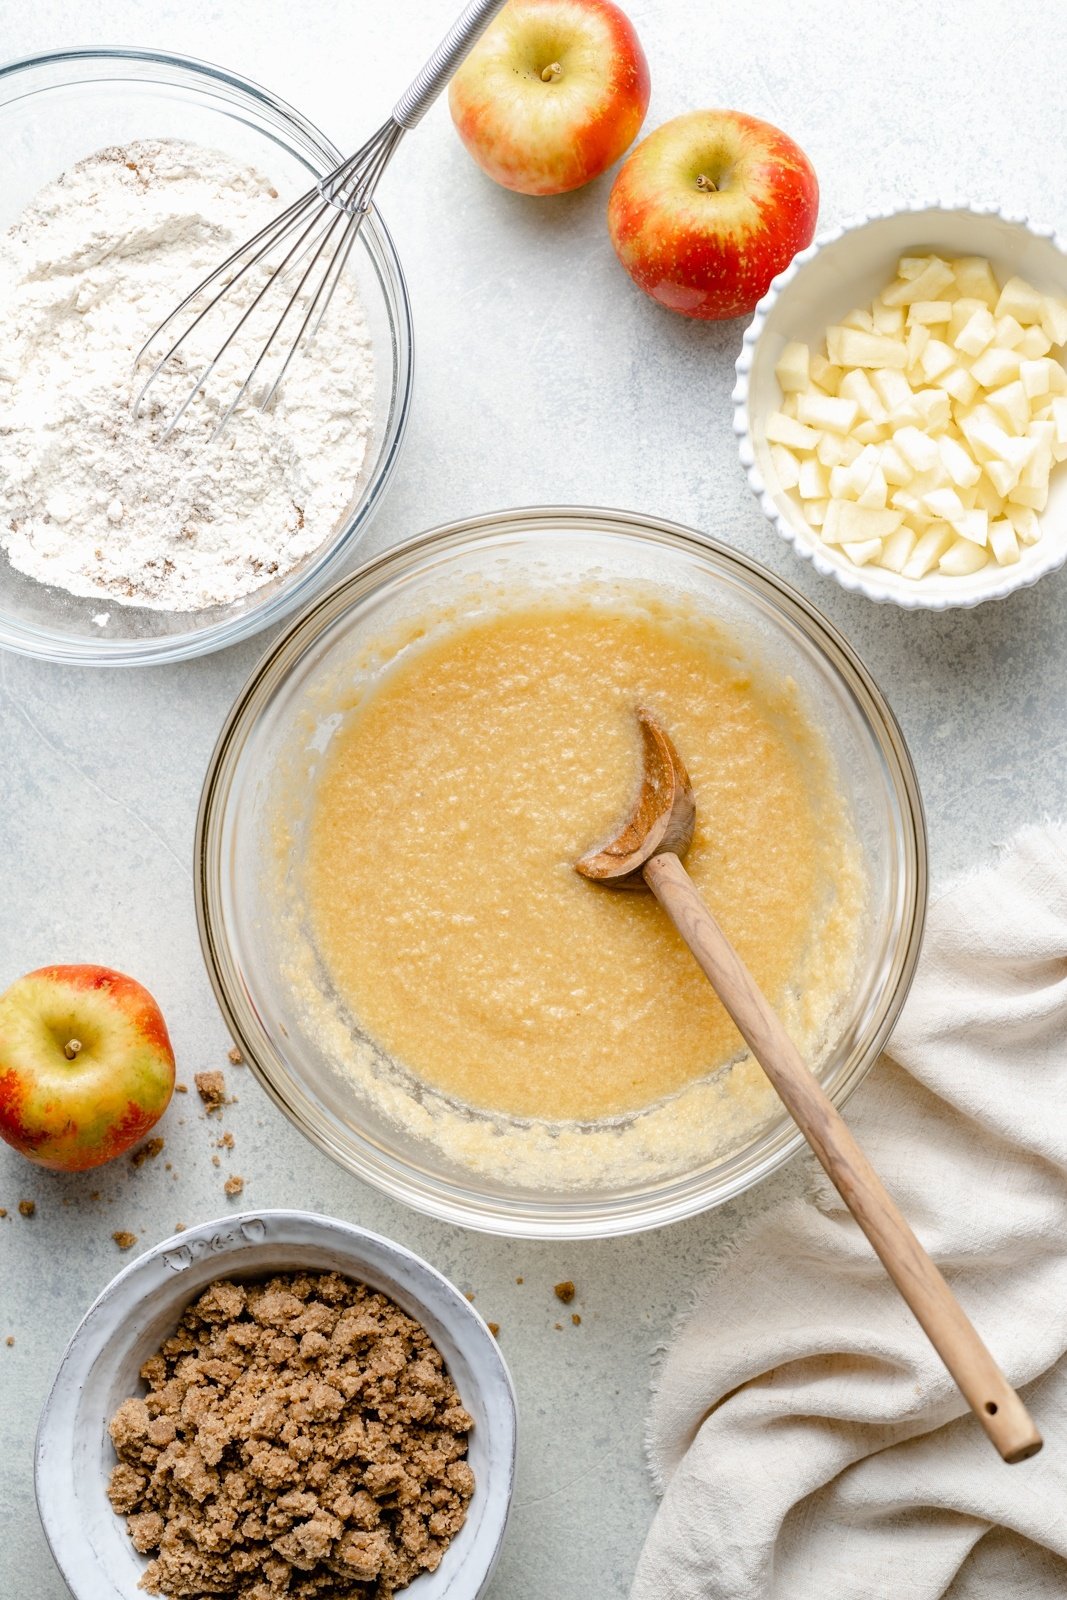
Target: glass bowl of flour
x: 129, y: 176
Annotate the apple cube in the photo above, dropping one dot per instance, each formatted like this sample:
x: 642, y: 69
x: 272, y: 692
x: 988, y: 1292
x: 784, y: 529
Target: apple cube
x: 1002, y: 475
x: 914, y: 345
x: 888, y: 319
x: 1024, y: 520
x: 934, y: 408
x: 944, y: 503
x: 977, y: 333
x: 875, y: 492
x: 927, y: 285
x: 1009, y: 333
x: 813, y: 480
x: 959, y: 384
x: 1035, y: 499
x: 929, y: 549
x: 825, y: 374
x: 1054, y: 319
x: 850, y: 347
x: 894, y: 468
x: 974, y: 279
x: 1011, y: 405
x: 854, y: 524
x: 866, y: 550
x: 824, y: 411
x: 786, y: 466
x: 962, y: 312
x: 861, y: 320
x: 815, y: 512
x: 1034, y: 342
x: 995, y: 366
x: 856, y: 385
x: 1020, y: 300
x: 793, y: 370
x: 1059, y: 419
x: 840, y: 483
x: 1003, y: 542
x: 898, y: 548
x: 870, y: 432
x: 937, y: 357
x: 987, y: 498
x: 794, y: 435
x: 961, y: 467
x: 917, y: 448
x: 928, y: 312
x: 973, y: 526
x: 962, y: 558
x: 1035, y: 376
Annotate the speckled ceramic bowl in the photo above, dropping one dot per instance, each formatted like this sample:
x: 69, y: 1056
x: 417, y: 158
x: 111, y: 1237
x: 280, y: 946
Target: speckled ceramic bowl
x: 845, y: 268
x: 126, y: 1323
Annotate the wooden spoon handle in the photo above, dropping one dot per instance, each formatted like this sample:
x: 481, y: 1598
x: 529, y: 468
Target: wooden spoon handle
x: 990, y: 1396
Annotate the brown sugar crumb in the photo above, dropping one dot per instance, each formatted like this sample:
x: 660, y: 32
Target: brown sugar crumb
x: 235, y: 1058
x: 147, y: 1152
x: 181, y: 1088
x: 469, y: 1295
x: 233, y: 1185
x: 520, y: 1280
x: 27, y: 1208
x: 215, y: 1161
x: 565, y: 1292
x: 3, y: 1211
x: 211, y: 1087
x: 300, y: 1438
x: 576, y: 1319
x: 558, y: 1327
x: 123, y: 1239
x: 94, y: 1194
x: 179, y: 1227
x: 226, y: 1142
x: 494, y: 1329
x: 10, y: 1340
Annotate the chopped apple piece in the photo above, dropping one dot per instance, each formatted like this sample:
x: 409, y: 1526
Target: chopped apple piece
x: 1054, y: 319
x: 988, y: 499
x: 929, y: 283
x: 1024, y: 520
x: 874, y: 495
x: 916, y: 342
x: 856, y: 385
x: 929, y: 549
x: 1009, y: 333
x: 815, y: 512
x: 849, y: 347
x: 857, y: 523
x: 1035, y: 376
x: 962, y: 558
x: 813, y: 480
x: 973, y: 526
x: 832, y: 451
x: 794, y: 435
x: 825, y: 374
x: 1020, y: 300
x: 960, y: 466
x: 974, y: 279
x: 888, y: 319
x: 1034, y: 343
x: 996, y: 366
x: 870, y: 432
x: 937, y: 357
x: 794, y: 368
x: 944, y: 503
x: 1059, y: 419
x: 786, y: 466
x: 1002, y: 475
x: 830, y: 414
x: 929, y: 312
x: 898, y: 548
x: 1034, y: 499
x: 934, y: 408
x: 960, y: 385
x: 841, y: 485
x: 1011, y: 405
x: 862, y: 321
x: 863, y: 551
x: 917, y: 448
x: 977, y: 333
x: 1003, y: 542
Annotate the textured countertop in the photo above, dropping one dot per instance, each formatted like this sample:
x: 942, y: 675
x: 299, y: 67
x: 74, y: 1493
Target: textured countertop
x: 541, y: 375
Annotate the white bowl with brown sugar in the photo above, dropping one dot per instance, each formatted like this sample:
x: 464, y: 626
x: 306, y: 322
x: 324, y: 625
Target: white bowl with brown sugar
x: 139, y: 1311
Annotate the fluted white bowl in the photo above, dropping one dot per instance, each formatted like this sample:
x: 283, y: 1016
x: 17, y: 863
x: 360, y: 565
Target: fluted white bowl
x: 845, y: 268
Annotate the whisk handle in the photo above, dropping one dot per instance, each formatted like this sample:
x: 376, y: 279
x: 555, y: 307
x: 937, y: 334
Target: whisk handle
x: 457, y: 43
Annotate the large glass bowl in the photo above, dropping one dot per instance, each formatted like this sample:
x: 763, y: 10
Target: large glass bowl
x: 282, y: 720
x: 55, y: 110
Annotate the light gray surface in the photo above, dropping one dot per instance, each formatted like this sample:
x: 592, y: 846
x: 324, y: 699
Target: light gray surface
x: 540, y: 375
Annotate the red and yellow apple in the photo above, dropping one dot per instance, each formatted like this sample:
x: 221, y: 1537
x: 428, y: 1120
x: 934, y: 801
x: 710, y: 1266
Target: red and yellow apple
x: 552, y: 94
x: 709, y: 208
x: 86, y: 1066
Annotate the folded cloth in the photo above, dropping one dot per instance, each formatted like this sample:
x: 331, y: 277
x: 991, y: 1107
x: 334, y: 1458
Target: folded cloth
x: 806, y: 1439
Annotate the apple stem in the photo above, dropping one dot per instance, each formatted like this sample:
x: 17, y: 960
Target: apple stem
x: 71, y: 1048
x: 707, y: 185
x: 552, y: 73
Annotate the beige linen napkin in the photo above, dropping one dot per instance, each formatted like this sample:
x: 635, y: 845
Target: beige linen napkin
x: 808, y: 1442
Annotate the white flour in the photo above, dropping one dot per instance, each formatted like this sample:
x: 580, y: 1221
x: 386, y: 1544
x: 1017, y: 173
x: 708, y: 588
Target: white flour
x: 89, y: 499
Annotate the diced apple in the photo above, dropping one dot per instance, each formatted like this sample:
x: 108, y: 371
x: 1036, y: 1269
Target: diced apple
x: 853, y: 524
x: 962, y: 312
x: 909, y: 267
x: 861, y: 320
x: 944, y: 503
x: 898, y: 548
x: 786, y: 466
x: 962, y: 558
x: 840, y: 483
x: 934, y: 408
x: 1003, y: 542
x: 1002, y: 475
x: 928, y: 285
x: 1011, y: 405
x: 888, y: 319
x: 866, y: 550
x: 813, y: 480
x: 793, y: 370
x: 1024, y: 520
x: 857, y: 386
x: 894, y: 468
x: 1034, y: 342
x: 794, y: 435
x: 874, y: 495
x: 849, y: 347
x: 1033, y: 499
x: 928, y: 312
x: 917, y: 448
x: 916, y: 342
x: 937, y: 357
x: 973, y: 526
x: 977, y: 333
x: 1059, y: 418
x: 1009, y: 333
x: 1054, y: 319
x: 996, y: 366
x: 929, y: 549
x: 974, y: 278
x: 870, y: 432
x: 987, y: 498
x: 892, y: 388
x: 815, y: 512
x: 825, y: 374
x: 1035, y: 376
x: 1020, y: 300
x: 959, y: 384
x: 824, y: 411
x: 959, y: 464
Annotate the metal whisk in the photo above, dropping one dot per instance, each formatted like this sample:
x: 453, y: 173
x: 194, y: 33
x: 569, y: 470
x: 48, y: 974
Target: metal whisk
x: 305, y: 249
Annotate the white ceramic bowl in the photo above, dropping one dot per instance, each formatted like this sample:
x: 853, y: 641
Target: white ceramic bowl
x: 127, y: 1322
x: 846, y: 268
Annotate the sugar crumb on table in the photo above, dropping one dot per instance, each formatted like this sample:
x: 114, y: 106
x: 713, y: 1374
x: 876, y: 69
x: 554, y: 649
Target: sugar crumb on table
x: 565, y: 1291
x: 27, y: 1208
x: 147, y: 1151
x: 124, y: 1239
x: 211, y: 1087
x: 300, y: 1436
x: 233, y: 1186
x: 235, y: 1058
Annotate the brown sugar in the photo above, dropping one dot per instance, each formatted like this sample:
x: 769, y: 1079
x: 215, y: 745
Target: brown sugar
x: 576, y: 1319
x: 147, y: 1151
x: 10, y: 1340
x: 233, y: 1185
x: 181, y: 1088
x: 211, y: 1087
x: 3, y: 1211
x: 27, y: 1208
x: 124, y: 1239
x: 235, y: 1058
x: 565, y: 1292
x: 494, y: 1329
x: 301, y: 1438
x: 226, y: 1141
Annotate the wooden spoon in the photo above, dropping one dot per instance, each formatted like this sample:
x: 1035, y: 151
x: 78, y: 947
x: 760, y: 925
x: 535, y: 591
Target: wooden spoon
x: 648, y: 851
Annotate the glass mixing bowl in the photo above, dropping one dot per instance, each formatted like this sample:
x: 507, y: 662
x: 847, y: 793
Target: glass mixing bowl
x: 281, y: 725
x: 55, y: 110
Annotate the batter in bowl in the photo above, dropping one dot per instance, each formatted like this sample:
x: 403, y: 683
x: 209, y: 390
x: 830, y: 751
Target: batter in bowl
x: 453, y: 802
